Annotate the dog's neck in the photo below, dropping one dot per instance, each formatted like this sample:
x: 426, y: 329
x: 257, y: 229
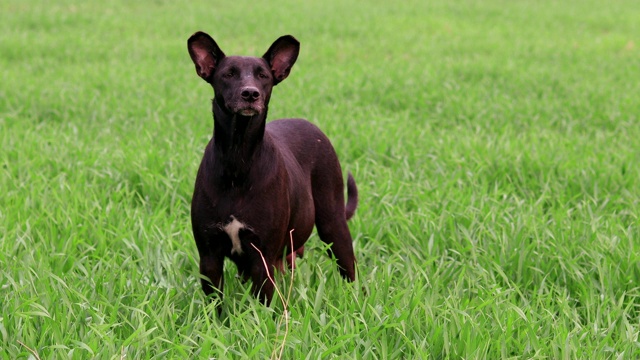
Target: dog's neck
x: 237, y: 141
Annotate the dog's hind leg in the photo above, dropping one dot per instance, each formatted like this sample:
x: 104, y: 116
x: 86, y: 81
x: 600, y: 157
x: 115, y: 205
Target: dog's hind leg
x: 331, y: 216
x: 336, y: 233
x: 291, y: 258
x: 333, y: 230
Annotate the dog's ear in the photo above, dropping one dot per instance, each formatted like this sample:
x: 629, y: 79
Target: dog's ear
x: 205, y: 54
x: 281, y: 56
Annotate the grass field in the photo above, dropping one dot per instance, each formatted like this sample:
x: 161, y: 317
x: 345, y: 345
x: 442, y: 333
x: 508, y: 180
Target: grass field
x: 495, y: 145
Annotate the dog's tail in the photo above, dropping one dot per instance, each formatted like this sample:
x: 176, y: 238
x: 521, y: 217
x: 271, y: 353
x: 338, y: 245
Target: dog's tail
x: 352, y: 197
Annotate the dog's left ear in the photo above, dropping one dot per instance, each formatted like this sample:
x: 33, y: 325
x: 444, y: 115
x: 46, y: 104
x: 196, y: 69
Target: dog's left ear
x: 281, y: 56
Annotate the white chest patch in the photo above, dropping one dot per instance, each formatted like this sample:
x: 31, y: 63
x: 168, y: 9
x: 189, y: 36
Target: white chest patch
x: 232, y: 229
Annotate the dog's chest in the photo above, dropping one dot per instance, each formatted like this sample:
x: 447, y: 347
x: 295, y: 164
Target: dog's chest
x: 237, y: 216
x: 232, y: 228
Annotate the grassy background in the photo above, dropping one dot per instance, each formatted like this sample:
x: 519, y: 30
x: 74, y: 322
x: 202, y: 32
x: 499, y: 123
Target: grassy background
x: 494, y: 144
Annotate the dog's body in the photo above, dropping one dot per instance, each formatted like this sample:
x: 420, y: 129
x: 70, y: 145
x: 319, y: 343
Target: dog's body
x: 260, y: 184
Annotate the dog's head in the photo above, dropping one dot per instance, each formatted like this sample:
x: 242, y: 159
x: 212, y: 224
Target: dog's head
x: 242, y: 85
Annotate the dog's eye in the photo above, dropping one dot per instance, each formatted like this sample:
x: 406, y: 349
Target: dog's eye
x: 229, y: 74
x: 263, y: 75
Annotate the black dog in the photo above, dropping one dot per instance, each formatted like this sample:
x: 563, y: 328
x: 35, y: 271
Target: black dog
x: 258, y: 182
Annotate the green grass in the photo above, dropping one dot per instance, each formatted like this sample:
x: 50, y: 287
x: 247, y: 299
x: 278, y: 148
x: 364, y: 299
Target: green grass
x: 495, y: 145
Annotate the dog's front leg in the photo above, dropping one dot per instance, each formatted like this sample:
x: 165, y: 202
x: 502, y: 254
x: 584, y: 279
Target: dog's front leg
x: 211, y: 268
x: 262, y: 277
x: 209, y: 240
x: 212, y: 280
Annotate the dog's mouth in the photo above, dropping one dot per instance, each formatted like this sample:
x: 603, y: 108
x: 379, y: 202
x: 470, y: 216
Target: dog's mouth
x: 245, y: 108
x: 248, y: 112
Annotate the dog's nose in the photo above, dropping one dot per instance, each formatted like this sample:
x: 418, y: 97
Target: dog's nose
x: 250, y: 94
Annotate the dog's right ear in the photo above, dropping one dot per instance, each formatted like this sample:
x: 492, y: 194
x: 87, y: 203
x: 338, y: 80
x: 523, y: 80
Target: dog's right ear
x: 205, y: 54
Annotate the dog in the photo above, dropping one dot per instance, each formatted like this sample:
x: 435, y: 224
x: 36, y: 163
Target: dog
x: 261, y: 187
